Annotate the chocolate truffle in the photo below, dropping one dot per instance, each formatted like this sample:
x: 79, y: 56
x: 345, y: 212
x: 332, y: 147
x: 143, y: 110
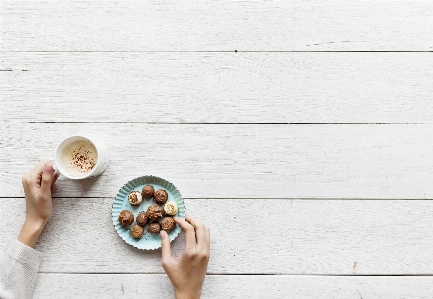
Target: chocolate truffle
x: 160, y: 196
x: 170, y: 208
x: 168, y: 223
x: 126, y: 218
x: 136, y: 231
x: 154, y: 228
x: 147, y: 191
x: 154, y: 212
x: 141, y: 219
x: 135, y: 198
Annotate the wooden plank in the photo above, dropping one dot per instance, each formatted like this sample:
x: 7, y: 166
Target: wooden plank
x: 218, y: 87
x: 216, y: 25
x: 235, y: 286
x: 260, y: 236
x: 238, y: 161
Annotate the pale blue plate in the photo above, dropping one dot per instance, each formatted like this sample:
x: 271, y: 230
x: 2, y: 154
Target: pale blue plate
x: 148, y: 241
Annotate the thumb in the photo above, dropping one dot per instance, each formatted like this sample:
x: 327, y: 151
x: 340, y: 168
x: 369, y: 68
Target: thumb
x: 166, y: 248
x: 47, y: 178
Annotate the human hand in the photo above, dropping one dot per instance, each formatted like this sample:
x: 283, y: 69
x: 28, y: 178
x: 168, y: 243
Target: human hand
x: 37, y: 184
x: 187, y: 271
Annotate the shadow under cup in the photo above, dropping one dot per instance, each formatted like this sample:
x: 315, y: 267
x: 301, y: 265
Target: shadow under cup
x: 81, y: 156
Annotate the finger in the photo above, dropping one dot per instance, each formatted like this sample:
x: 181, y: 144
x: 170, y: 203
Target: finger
x: 47, y: 179
x: 208, y: 239
x: 56, y: 176
x: 39, y: 168
x: 166, y: 249
x: 200, y: 230
x: 190, y: 240
x: 32, y: 178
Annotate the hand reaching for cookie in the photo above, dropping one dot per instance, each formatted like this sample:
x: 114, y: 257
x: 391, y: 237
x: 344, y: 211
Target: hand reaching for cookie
x: 187, y: 271
x: 37, y: 184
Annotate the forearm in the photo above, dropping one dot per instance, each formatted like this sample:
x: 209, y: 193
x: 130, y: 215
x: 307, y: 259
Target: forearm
x: 30, y: 232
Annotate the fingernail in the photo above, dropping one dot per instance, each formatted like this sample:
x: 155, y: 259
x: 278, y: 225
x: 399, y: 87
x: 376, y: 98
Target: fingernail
x: 163, y: 234
x: 48, y: 169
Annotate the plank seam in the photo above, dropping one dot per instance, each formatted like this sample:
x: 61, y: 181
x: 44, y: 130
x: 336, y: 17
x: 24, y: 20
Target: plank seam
x: 237, y: 123
x: 247, y: 198
x: 231, y: 51
x: 246, y: 274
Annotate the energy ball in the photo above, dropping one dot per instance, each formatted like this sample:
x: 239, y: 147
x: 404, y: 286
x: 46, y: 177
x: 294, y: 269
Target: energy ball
x: 160, y: 196
x: 170, y: 208
x: 147, y: 191
x: 126, y: 218
x: 154, y: 228
x: 135, y: 198
x: 154, y: 212
x: 168, y: 223
x: 141, y: 219
x: 136, y: 231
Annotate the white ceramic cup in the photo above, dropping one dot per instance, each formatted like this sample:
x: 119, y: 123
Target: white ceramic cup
x: 75, y: 157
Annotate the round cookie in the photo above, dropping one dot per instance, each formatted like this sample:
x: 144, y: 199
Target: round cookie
x: 126, y: 218
x: 154, y: 212
x: 136, y: 231
x: 168, y: 223
x: 135, y: 198
x: 160, y: 196
x: 154, y: 228
x: 147, y: 191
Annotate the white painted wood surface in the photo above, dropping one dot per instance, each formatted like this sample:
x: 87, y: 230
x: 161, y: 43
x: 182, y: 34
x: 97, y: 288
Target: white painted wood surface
x: 239, y: 161
x: 218, y: 87
x: 321, y: 237
x: 185, y: 25
x: 296, y: 211
x: 236, y: 286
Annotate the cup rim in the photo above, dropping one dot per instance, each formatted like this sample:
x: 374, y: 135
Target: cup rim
x: 60, y: 167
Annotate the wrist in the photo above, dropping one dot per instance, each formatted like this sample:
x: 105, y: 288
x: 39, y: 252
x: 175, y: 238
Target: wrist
x: 188, y: 295
x: 30, y: 232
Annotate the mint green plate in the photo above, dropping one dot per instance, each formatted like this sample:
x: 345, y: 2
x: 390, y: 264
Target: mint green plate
x: 148, y: 241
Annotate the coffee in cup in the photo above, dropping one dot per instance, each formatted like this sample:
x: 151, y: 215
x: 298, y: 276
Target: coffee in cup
x: 79, y: 157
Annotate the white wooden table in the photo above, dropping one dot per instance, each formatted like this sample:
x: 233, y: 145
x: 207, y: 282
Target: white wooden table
x: 300, y: 132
